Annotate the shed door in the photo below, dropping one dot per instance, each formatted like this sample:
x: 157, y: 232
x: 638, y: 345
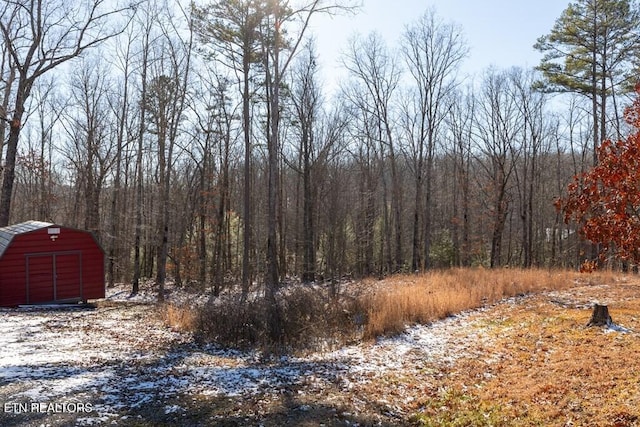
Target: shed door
x: 67, y: 280
x: 40, y: 279
x: 54, y: 277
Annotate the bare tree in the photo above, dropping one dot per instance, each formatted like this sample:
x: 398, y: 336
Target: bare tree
x: 461, y: 125
x: 232, y: 29
x: 498, y: 125
x: 39, y: 36
x: 35, y: 173
x: 89, y: 128
x: 48, y: 109
x: 376, y: 77
x: 218, y: 127
x: 306, y: 100
x: 433, y: 51
x: 331, y: 183
x: 531, y: 105
x: 120, y: 104
x: 202, y: 150
x: 278, y: 50
x: 8, y: 71
x: 146, y: 26
x: 165, y: 106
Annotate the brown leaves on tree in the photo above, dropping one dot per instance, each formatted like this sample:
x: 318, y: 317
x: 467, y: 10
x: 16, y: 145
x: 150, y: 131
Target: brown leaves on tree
x: 605, y: 201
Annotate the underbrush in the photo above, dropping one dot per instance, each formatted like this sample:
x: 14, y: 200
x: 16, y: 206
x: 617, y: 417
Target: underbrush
x: 180, y: 317
x: 308, y: 319
x: 409, y: 299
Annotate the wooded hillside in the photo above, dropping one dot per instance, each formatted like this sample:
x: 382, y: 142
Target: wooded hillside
x: 200, y: 143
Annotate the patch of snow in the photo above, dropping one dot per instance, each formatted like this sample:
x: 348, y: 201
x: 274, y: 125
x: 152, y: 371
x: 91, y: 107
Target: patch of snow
x: 122, y: 357
x: 613, y: 327
x: 172, y: 409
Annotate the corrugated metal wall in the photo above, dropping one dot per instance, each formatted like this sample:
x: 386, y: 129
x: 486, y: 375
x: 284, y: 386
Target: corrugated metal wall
x: 51, y: 264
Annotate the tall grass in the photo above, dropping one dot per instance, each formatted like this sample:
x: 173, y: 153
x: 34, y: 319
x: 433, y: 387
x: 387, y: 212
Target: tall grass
x: 180, y: 317
x: 368, y: 309
x: 403, y: 300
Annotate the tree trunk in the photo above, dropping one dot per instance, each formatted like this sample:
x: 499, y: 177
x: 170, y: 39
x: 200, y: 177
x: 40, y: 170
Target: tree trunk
x: 202, y: 217
x: 428, y: 209
x: 115, y: 220
x: 139, y: 185
x: 272, y: 276
x: 10, y: 162
x: 9, y: 80
x: 246, y: 205
x: 308, y: 208
x: 415, y: 254
x: 600, y: 316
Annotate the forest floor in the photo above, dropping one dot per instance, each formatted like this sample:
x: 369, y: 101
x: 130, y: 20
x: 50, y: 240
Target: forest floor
x: 527, y: 360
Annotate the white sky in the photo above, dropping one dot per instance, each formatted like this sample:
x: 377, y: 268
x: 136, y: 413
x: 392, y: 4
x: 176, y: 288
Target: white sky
x: 499, y: 32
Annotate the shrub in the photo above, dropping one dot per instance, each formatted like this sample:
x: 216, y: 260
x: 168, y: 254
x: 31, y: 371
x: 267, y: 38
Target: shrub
x: 310, y: 320
x: 182, y: 318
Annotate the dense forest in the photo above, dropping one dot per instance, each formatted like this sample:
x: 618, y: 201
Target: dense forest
x: 198, y: 143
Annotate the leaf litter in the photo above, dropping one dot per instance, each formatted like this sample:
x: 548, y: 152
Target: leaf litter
x: 121, y: 358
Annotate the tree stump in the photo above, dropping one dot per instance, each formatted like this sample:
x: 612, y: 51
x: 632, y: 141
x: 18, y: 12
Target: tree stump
x: 600, y: 316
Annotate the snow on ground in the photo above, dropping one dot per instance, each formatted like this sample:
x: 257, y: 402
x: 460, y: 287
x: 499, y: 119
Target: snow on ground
x: 120, y: 356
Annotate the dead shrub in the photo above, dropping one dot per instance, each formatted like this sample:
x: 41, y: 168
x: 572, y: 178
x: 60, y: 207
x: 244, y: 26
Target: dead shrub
x: 232, y: 322
x: 310, y: 320
x: 182, y: 318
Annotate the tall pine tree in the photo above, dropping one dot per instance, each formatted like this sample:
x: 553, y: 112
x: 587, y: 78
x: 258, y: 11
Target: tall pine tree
x: 590, y: 51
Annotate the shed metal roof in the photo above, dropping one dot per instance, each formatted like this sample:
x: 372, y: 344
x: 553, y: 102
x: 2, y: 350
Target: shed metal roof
x: 7, y: 233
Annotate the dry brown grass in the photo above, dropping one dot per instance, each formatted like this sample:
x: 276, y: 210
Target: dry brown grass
x: 181, y: 318
x: 403, y: 300
x: 544, y: 367
x: 535, y: 364
x: 372, y: 308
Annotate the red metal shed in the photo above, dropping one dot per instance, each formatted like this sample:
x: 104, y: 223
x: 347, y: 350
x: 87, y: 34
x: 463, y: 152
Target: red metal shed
x: 42, y: 262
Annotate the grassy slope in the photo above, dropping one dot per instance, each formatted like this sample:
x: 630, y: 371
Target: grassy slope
x: 536, y: 364
x: 543, y: 367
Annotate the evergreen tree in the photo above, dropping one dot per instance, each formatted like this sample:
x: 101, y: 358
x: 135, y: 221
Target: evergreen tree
x: 590, y: 51
x: 232, y: 27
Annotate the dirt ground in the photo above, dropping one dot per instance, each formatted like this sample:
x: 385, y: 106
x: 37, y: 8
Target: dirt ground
x: 525, y: 361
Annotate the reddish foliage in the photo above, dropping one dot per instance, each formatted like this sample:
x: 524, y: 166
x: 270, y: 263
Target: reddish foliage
x: 605, y: 201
